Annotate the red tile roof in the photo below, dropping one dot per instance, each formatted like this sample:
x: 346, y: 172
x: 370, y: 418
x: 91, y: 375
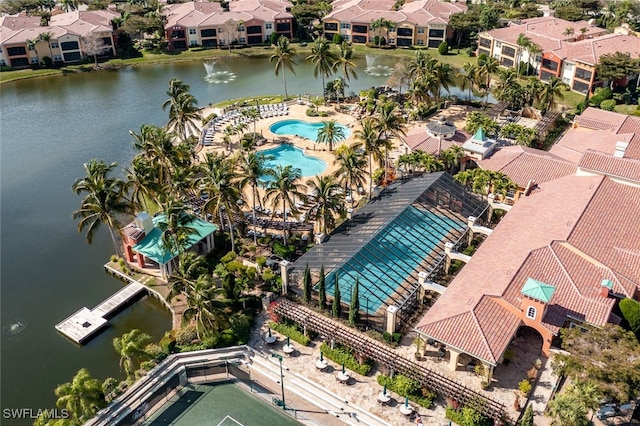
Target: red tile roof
x: 588, y: 51
x: 418, y: 139
x: 522, y: 164
x: 576, y: 141
x: 625, y: 168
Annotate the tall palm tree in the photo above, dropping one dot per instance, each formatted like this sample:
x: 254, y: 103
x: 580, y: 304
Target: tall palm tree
x: 369, y: 136
x: 142, y: 182
x: 156, y: 144
x: 46, y: 37
x: 131, y: 348
x: 283, y: 57
x: 566, y: 409
x: 468, y: 77
x: 445, y: 77
x: 488, y: 66
x: 329, y: 201
x: 389, y: 123
x: 253, y: 171
x: 523, y: 44
x: 82, y: 397
x: 551, y: 92
x: 351, y: 162
x: 252, y: 114
x: 330, y: 133
x: 507, y: 78
x: 378, y: 25
x: 175, y: 226
x: 103, y: 202
x: 345, y: 61
x: 220, y: 180
x: 184, y: 117
x: 284, y: 190
x: 177, y: 87
x: 451, y: 157
x: 191, y: 265
x: 208, y: 318
x: 323, y: 59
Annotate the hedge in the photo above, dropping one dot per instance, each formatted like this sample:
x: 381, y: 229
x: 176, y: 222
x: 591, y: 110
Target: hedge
x: 343, y: 356
x: 466, y: 416
x: 290, y: 331
x: 404, y: 386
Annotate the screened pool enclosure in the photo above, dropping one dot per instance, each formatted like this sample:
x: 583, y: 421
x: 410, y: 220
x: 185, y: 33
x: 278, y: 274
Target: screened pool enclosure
x: 400, y: 233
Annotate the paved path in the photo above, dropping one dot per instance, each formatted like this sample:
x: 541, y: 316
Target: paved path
x: 542, y: 393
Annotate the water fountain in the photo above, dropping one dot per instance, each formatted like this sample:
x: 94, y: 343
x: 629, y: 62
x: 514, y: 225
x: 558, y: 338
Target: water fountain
x: 216, y: 75
x: 376, y: 70
x: 15, y: 326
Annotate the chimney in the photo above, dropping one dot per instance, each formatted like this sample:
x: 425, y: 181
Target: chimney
x: 605, y: 288
x: 621, y: 148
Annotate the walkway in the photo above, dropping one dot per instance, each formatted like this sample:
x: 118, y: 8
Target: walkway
x: 369, y: 348
x: 542, y: 392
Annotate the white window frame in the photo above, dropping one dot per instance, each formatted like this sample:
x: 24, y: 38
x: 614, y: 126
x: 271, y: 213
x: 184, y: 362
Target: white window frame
x: 420, y: 42
x: 268, y: 26
x: 55, y: 45
x: 532, y: 312
x: 193, y: 31
x: 242, y: 40
x: 420, y: 30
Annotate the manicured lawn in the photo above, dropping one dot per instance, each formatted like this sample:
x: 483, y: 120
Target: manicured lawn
x: 626, y: 109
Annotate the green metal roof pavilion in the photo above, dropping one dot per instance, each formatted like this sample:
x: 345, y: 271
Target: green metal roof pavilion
x: 153, y: 248
x: 538, y: 290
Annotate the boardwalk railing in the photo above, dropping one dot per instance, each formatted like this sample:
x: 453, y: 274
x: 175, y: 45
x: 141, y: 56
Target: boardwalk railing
x: 369, y: 348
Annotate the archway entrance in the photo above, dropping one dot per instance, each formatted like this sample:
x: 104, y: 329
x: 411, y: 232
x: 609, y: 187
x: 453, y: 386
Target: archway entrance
x: 520, y: 358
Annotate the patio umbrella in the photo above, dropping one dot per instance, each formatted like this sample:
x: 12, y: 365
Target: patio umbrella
x: 269, y: 331
x: 343, y: 368
x: 321, y: 358
x: 384, y: 390
x: 288, y: 342
x: 406, y: 401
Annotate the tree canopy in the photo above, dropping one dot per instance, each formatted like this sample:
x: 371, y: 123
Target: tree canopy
x: 617, y: 65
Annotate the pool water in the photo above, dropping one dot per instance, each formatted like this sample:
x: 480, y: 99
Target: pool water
x: 394, y: 253
x: 287, y: 155
x: 302, y: 128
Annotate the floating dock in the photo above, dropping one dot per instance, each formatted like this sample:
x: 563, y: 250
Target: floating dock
x: 83, y: 324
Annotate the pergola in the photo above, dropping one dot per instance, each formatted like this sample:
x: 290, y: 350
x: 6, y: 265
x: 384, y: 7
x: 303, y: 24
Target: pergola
x: 395, y: 236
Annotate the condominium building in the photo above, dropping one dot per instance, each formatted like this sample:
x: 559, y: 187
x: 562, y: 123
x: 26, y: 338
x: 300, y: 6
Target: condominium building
x: 416, y: 23
x: 23, y: 42
x: 207, y: 24
x: 567, y: 50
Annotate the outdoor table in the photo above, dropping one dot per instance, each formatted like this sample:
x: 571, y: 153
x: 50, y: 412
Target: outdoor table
x: 343, y: 377
x: 384, y: 397
x: 270, y: 339
x: 288, y: 349
x: 406, y: 409
x: 321, y: 365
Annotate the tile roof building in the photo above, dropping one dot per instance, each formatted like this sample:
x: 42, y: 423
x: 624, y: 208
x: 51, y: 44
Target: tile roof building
x: 416, y: 23
x: 23, y: 42
x: 568, y: 50
x: 563, y: 255
x: 207, y: 24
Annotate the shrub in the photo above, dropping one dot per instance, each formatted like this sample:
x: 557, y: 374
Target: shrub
x: 228, y: 257
x: 311, y: 112
x: 261, y: 261
x: 343, y: 356
x: 403, y: 385
x: 470, y: 52
x: 631, y: 312
x: 186, y: 335
x: 168, y: 343
x: 443, y: 48
x: 608, y: 105
x: 479, y: 370
x: 466, y: 416
x: 525, y: 386
x: 337, y: 38
x: 291, y: 331
x: 273, y: 38
x: 283, y: 251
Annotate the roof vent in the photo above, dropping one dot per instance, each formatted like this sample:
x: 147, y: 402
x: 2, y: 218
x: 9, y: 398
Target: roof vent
x: 621, y: 148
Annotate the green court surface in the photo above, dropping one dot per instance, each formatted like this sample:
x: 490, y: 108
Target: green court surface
x: 222, y: 404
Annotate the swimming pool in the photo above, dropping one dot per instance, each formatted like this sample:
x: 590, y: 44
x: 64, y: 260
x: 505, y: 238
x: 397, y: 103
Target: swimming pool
x: 302, y: 128
x: 394, y: 253
x: 287, y: 155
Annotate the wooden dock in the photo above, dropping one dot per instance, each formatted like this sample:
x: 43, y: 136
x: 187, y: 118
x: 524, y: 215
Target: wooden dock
x: 83, y: 324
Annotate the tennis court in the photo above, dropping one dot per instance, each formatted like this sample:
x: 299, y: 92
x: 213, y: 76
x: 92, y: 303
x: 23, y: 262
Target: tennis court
x: 222, y: 404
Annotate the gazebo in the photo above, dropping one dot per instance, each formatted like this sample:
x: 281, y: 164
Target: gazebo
x: 441, y: 128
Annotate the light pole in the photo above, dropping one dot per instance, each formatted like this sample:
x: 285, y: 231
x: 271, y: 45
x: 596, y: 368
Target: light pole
x: 284, y: 405
x: 366, y: 314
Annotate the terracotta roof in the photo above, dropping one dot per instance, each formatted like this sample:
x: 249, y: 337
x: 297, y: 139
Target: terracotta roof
x: 608, y: 229
x: 94, y: 17
x: 576, y: 141
x: 421, y: 13
x: 26, y: 34
x: 522, y: 164
x: 16, y: 23
x: 588, y: 51
x: 596, y: 118
x: 534, y: 221
x: 418, y: 139
x: 609, y: 165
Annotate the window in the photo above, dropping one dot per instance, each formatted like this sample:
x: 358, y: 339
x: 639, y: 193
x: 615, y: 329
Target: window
x: 330, y: 26
x: 420, y: 30
x: 268, y: 26
x: 405, y: 32
x: 14, y: 51
x: 57, y: 58
x: 346, y: 37
x: 242, y: 40
x: 70, y: 45
x: 192, y: 31
x: 583, y: 74
x: 498, y: 44
x: 568, y: 66
x: 254, y: 29
x: 211, y: 32
x: 549, y: 64
x: 193, y: 43
x: 286, y: 26
x: 420, y: 42
x: 361, y: 29
x: 54, y: 45
x: 531, y: 312
x: 436, y: 33
x: 509, y: 51
x: 241, y: 28
x: 0, y: 49
x: 345, y: 25
x: 34, y: 60
x: 485, y: 42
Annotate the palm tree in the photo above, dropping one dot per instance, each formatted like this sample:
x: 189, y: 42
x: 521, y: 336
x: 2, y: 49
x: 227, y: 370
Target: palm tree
x: 351, y: 162
x: 345, y: 61
x: 283, y: 58
x: 444, y: 78
x: 468, y: 77
x: 184, y: 117
x: 104, y: 200
x: 284, y: 190
x: 142, y: 181
x: 46, y: 37
x: 487, y: 67
x: 253, y: 170
x: 131, y: 348
x: 156, y: 144
x: 330, y: 132
x: 208, y: 318
x: 550, y: 93
x: 523, y: 44
x: 69, y: 5
x: 566, y: 409
x: 389, y: 123
x: 219, y: 179
x: 323, y: 59
x: 191, y: 266
x: 82, y: 397
x: 377, y: 26
x: 507, y: 78
x: 175, y: 226
x: 329, y: 201
x: 369, y: 136
x: 252, y: 114
x: 451, y: 157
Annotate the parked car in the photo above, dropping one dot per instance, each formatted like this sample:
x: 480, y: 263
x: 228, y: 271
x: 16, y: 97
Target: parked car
x: 606, y: 411
x: 273, y: 260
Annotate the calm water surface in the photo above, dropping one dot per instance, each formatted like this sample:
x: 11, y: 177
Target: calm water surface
x: 48, y: 128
